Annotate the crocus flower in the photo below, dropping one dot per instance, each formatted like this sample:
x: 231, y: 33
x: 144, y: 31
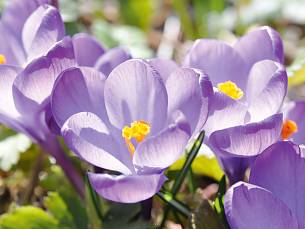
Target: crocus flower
x: 274, y: 199
x: 136, y: 122
x: 294, y: 123
x: 250, y: 84
x: 25, y: 91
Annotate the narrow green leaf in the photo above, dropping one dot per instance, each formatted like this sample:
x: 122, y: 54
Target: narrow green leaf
x: 218, y: 203
x: 180, y: 177
x: 177, y: 205
x: 93, y: 206
x: 188, y: 162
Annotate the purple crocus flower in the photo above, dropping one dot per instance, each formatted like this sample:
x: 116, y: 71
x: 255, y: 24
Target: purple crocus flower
x: 250, y: 84
x: 25, y: 91
x: 274, y: 199
x: 137, y: 122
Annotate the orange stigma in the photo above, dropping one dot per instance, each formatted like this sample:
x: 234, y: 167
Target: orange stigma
x: 137, y: 130
x: 288, y: 129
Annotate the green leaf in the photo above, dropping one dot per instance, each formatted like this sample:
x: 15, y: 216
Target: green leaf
x: 93, y: 206
x: 188, y: 162
x: 11, y: 147
x: 28, y: 218
x: 204, y: 217
x: 58, y: 208
x: 202, y: 165
x: 296, y: 71
x: 219, y: 201
x: 171, y: 201
x: 181, y: 175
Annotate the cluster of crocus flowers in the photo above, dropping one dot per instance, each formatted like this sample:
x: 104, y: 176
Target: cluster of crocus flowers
x: 135, y: 117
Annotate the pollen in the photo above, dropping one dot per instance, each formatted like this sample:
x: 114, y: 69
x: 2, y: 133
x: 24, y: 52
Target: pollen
x: 137, y: 130
x: 2, y: 59
x: 230, y: 89
x: 288, y: 129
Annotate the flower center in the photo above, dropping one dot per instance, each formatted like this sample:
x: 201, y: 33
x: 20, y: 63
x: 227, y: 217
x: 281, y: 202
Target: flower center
x: 2, y: 59
x: 137, y: 130
x: 230, y: 89
x: 289, y: 128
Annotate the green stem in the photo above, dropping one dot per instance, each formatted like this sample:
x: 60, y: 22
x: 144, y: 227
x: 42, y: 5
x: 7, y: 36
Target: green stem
x: 180, y: 207
x: 95, y: 199
x: 178, y: 182
x: 191, y: 182
x: 189, y: 160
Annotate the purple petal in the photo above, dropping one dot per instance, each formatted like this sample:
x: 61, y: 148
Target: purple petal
x: 23, y: 9
x: 9, y: 115
x: 163, y: 66
x: 32, y: 87
x: 247, y: 140
x: 42, y: 30
x: 295, y: 111
x: 87, y: 49
x: 7, y: 77
x: 219, y: 60
x: 266, y: 89
x: 77, y: 90
x: 162, y: 150
x: 269, y: 42
x: 11, y: 47
x: 280, y: 169
x: 126, y: 189
x: 134, y: 91
x: 252, y: 207
x: 112, y: 58
x: 224, y: 112
x: 234, y: 167
x: 88, y: 137
x: 186, y: 94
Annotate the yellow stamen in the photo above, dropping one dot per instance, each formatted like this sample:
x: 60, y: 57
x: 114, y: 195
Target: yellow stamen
x: 288, y: 129
x: 137, y: 130
x: 230, y: 89
x: 2, y: 59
